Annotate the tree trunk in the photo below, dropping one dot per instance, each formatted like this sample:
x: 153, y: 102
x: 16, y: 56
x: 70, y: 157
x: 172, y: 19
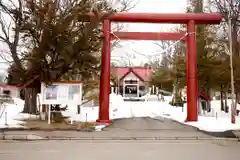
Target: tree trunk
x: 236, y: 103
x: 225, y: 104
x: 221, y: 97
x: 30, y: 105
x: 207, y: 91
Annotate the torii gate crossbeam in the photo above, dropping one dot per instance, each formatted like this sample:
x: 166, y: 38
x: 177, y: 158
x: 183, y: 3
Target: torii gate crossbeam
x: 190, y: 19
x: 148, y: 36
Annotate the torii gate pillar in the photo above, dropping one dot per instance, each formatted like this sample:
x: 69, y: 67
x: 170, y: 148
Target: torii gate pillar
x: 190, y: 19
x: 192, y: 87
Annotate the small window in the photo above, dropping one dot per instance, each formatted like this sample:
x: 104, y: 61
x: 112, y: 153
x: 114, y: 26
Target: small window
x: 130, y: 82
x: 142, y: 88
x: 6, y: 92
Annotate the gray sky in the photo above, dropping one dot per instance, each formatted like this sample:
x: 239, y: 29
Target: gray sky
x: 147, y: 47
x: 143, y: 47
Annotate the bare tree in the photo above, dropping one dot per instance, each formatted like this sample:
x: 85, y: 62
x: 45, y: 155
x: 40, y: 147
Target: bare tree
x: 10, y: 22
x: 37, y: 33
x: 230, y: 9
x: 167, y: 50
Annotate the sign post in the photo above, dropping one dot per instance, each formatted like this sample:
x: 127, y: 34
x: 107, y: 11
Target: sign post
x: 69, y: 93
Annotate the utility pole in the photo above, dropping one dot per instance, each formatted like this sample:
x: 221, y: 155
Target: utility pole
x: 233, y: 106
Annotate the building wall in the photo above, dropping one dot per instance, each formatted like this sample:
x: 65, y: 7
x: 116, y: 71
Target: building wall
x: 3, y: 72
x: 14, y: 92
x: 132, y: 76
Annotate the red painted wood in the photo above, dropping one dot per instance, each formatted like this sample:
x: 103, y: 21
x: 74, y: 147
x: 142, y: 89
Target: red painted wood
x: 105, y: 75
x: 189, y: 18
x: 177, y: 18
x: 148, y: 36
x: 192, y: 87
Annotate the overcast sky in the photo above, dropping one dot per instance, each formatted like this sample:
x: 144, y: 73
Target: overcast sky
x: 144, y: 47
x: 147, y: 47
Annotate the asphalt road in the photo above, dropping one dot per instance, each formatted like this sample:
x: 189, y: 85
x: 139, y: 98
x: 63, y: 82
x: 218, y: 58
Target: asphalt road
x: 148, y: 127
x: 129, y: 127
x: 125, y: 149
x: 119, y: 150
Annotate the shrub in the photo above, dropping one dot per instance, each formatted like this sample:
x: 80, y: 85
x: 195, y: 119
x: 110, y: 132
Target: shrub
x: 177, y: 101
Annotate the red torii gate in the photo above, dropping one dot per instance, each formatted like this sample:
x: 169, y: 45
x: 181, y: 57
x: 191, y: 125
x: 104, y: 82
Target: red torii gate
x: 191, y: 19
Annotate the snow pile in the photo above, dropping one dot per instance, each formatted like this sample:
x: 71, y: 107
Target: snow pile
x: 214, y: 121
x: 145, y: 97
x: 118, y: 107
x: 19, y: 102
x: 168, y: 98
x: 87, y: 114
x: 212, y: 124
x: 10, y: 111
x: 116, y: 102
x: 12, y: 116
x: 115, y: 98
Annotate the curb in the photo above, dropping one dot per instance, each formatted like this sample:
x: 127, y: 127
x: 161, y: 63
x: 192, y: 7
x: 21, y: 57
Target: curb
x: 225, y: 134
x: 21, y: 137
x: 54, y: 129
x: 37, y: 138
x: 44, y: 129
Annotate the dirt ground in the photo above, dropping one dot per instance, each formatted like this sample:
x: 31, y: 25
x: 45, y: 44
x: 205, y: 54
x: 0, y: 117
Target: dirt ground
x: 43, y: 125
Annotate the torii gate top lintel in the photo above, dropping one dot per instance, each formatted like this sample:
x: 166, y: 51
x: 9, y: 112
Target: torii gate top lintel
x: 177, y: 18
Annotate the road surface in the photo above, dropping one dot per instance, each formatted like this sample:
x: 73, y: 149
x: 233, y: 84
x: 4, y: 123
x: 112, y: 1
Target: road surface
x: 171, y: 149
x: 146, y: 126
x: 119, y: 150
x: 130, y: 127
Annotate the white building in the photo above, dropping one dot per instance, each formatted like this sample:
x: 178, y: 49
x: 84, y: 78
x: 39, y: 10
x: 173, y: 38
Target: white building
x: 132, y: 81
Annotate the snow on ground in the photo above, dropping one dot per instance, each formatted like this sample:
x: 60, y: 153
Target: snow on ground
x: 216, y: 120
x: 8, y: 113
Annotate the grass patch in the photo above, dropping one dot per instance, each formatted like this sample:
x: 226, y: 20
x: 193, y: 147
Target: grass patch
x: 43, y: 125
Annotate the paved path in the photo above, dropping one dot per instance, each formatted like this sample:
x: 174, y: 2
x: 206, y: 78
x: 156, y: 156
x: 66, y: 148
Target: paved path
x: 131, y: 127
x: 161, y: 127
x: 119, y: 150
